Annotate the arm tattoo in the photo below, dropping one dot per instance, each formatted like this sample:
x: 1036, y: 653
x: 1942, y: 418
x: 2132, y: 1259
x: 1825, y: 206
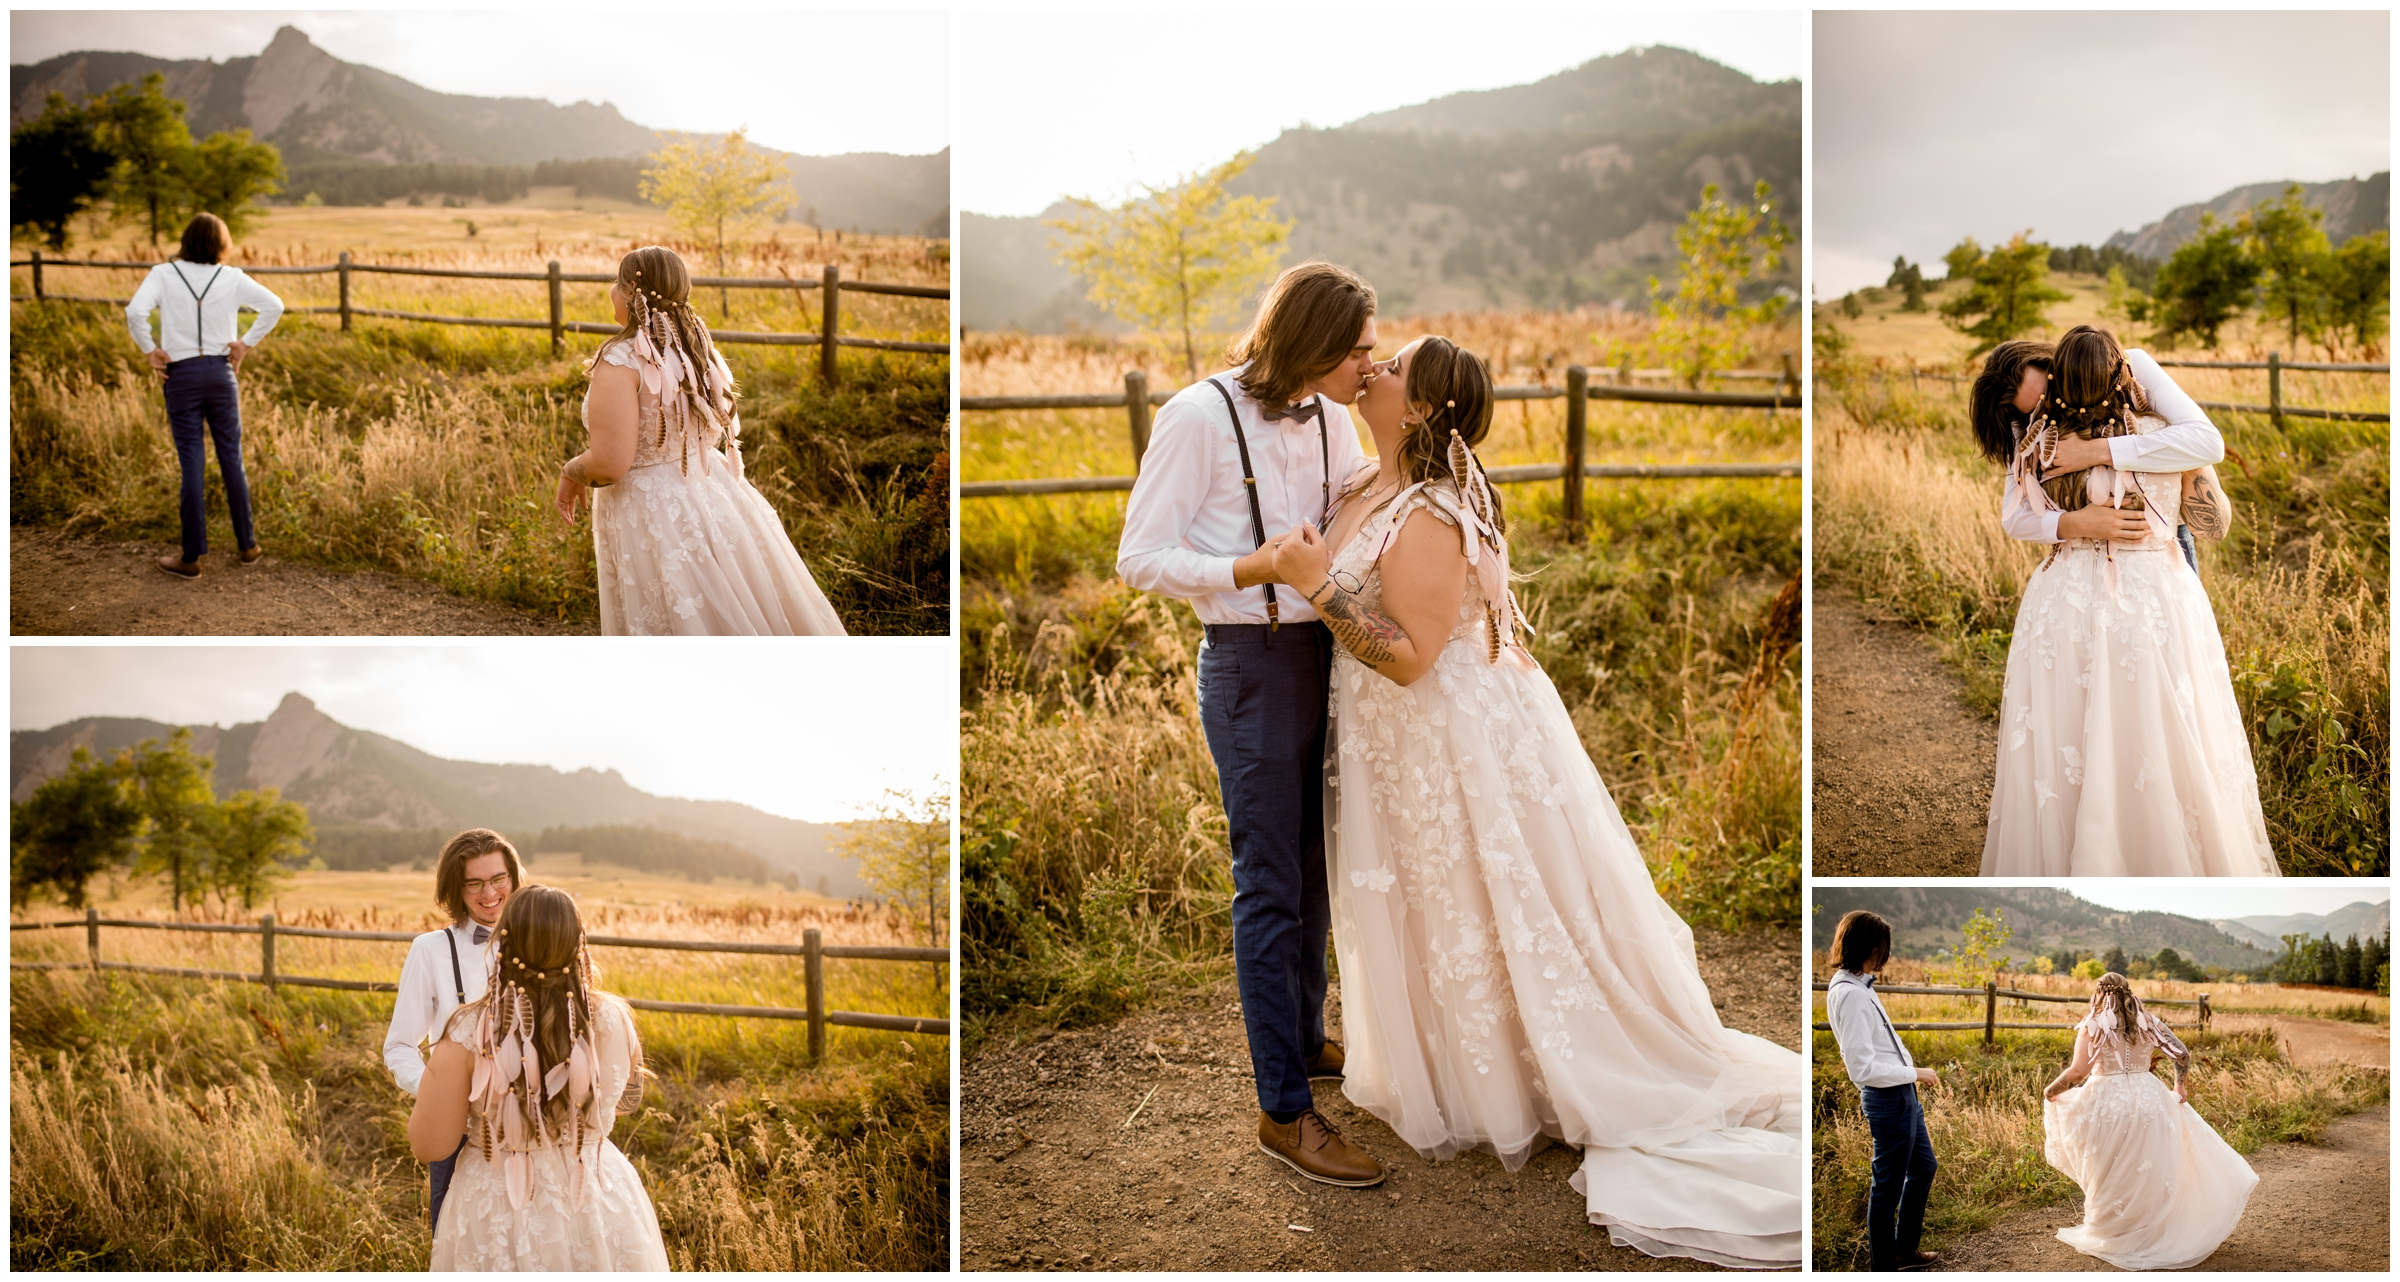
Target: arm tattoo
x: 574, y: 472
x: 1361, y: 631
x: 2203, y: 514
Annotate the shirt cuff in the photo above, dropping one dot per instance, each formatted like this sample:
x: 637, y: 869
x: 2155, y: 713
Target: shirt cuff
x: 1218, y: 573
x: 2050, y: 525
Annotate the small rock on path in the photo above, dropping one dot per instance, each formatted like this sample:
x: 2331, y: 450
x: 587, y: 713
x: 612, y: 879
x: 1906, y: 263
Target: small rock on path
x: 62, y: 584
x: 1901, y: 770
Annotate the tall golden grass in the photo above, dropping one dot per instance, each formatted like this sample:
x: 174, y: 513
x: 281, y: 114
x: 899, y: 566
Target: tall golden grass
x: 169, y: 1123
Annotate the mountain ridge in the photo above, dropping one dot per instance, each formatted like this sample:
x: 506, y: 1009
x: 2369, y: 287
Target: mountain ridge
x: 358, y: 778
x: 2353, y: 207
x: 2044, y: 919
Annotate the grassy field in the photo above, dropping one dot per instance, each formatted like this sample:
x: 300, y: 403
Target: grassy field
x: 1986, y: 1117
x: 433, y: 450
x: 162, y: 1123
x: 1093, y: 864
x: 1907, y: 515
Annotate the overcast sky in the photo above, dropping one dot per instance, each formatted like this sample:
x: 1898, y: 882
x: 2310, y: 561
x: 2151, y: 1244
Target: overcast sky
x: 1932, y: 126
x: 815, y: 83
x: 1081, y: 104
x: 803, y: 730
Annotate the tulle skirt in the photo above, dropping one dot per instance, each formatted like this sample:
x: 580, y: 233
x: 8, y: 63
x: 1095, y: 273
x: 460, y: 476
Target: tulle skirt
x: 614, y: 1231
x: 2122, y: 751
x: 700, y: 554
x: 2161, y: 1189
x: 1509, y: 973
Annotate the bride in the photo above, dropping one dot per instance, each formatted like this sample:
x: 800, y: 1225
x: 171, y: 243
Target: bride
x: 2161, y: 1189
x: 535, y: 1074
x: 1508, y: 971
x: 685, y: 545
x: 2122, y: 751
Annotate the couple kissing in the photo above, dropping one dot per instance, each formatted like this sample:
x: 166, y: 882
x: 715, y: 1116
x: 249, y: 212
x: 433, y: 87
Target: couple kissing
x: 520, y: 1064
x: 1398, y: 772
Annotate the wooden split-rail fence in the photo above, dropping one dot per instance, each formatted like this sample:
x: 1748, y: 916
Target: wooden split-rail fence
x: 812, y: 950
x: 2274, y: 365
x: 827, y: 338
x: 1580, y: 391
x: 1991, y: 993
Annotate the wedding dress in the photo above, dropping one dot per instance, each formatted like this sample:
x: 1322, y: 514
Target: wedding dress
x: 609, y: 1227
x: 1508, y: 972
x: 2161, y: 1189
x: 685, y: 544
x: 2122, y: 751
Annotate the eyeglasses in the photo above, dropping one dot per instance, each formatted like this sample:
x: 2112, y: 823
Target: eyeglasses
x: 497, y: 885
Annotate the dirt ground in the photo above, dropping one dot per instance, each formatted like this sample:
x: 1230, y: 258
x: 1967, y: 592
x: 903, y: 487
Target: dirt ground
x: 2317, y: 1207
x: 69, y: 585
x: 2319, y: 1041
x: 1902, y: 771
x: 1134, y: 1146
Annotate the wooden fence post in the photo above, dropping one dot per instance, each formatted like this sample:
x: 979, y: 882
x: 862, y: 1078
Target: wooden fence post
x: 1791, y: 377
x: 344, y: 269
x: 37, y: 275
x: 91, y: 935
x: 828, y: 371
x: 2275, y: 389
x: 1625, y: 371
x: 1137, y: 412
x: 1991, y: 1009
x: 814, y: 941
x: 558, y: 312
x: 1579, y: 408
x: 266, y: 950
x: 2203, y: 1012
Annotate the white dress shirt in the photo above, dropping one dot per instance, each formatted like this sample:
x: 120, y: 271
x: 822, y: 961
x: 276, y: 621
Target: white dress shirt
x: 2187, y: 441
x: 1871, y: 1047
x: 187, y: 330
x: 429, y: 995
x: 1189, y: 520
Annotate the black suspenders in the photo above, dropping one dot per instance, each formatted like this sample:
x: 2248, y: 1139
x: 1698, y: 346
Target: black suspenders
x: 457, y: 976
x: 1258, y: 522
x: 200, y: 331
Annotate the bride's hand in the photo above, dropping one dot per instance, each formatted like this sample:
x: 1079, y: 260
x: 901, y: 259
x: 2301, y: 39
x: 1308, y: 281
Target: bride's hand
x: 1301, y: 558
x: 2099, y: 521
x: 570, y: 497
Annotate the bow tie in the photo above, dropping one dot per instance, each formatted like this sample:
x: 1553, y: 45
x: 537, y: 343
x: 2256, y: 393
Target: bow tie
x: 1299, y: 413
x: 482, y: 933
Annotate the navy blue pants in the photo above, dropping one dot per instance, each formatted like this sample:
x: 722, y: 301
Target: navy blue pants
x: 203, y: 403
x: 2191, y: 554
x: 1262, y: 701
x: 442, y: 1171
x: 1904, y: 1169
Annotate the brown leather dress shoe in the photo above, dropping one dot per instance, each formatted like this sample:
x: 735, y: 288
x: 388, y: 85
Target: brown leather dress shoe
x: 1326, y: 1064
x: 179, y: 567
x: 250, y: 556
x: 1921, y: 1260
x: 1310, y: 1146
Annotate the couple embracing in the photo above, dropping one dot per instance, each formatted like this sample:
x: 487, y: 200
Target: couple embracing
x: 520, y: 1064
x: 1398, y: 771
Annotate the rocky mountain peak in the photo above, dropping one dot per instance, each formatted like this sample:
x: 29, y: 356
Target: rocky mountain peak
x: 291, y: 76
x: 296, y: 742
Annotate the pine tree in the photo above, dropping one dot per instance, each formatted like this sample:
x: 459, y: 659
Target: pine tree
x: 2011, y: 291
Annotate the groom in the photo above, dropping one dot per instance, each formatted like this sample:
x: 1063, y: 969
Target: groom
x: 1261, y: 447
x: 445, y: 969
x: 1887, y: 1080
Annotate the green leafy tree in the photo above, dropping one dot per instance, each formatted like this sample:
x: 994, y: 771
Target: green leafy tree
x: 1962, y: 259
x: 2114, y: 959
x: 145, y: 130
x: 1851, y: 307
x: 1176, y: 261
x: 229, y: 175
x: 2090, y: 968
x: 57, y: 169
x: 253, y: 836
x: 903, y: 851
x: 2204, y: 284
x: 170, y: 785
x: 1982, y: 949
x: 2287, y: 239
x: 717, y: 195
x: 1704, y: 325
x: 1909, y: 279
x: 2358, y: 290
x: 2119, y: 300
x: 69, y: 830
x: 2010, y: 289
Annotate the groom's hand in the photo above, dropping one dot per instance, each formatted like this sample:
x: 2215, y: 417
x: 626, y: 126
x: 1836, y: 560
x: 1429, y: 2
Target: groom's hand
x: 2075, y: 453
x: 1927, y: 1077
x: 1256, y: 567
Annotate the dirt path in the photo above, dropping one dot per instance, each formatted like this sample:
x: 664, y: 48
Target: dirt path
x: 68, y: 585
x: 1902, y: 770
x: 2319, y: 1041
x: 2317, y: 1207
x: 1134, y: 1146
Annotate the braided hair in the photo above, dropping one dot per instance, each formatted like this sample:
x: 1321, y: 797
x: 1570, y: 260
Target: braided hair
x: 1453, y: 389
x: 2093, y: 394
x: 658, y: 295
x: 2115, y: 993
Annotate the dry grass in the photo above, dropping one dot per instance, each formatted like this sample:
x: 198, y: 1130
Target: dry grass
x: 1907, y: 514
x: 167, y: 1123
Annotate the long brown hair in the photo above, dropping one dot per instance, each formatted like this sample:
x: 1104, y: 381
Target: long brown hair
x: 205, y: 239
x: 1448, y: 395
x: 1307, y: 322
x: 1860, y: 938
x: 534, y: 1022
x: 2092, y: 394
x: 658, y: 295
x: 2115, y: 992
x: 1992, y: 402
